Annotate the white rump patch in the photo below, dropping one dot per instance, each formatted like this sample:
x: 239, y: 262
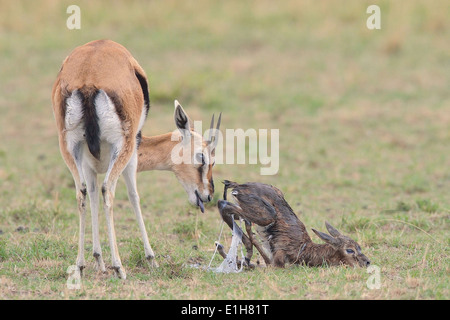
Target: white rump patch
x: 74, y: 112
x: 108, y: 120
x: 142, y: 120
x: 73, y: 124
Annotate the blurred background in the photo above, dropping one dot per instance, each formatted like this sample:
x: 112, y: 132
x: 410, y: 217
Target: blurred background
x: 364, y: 107
x: 364, y: 115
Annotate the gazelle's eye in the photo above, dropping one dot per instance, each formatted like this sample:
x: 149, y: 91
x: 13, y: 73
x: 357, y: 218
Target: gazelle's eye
x: 349, y: 251
x: 200, y: 158
x: 203, y: 159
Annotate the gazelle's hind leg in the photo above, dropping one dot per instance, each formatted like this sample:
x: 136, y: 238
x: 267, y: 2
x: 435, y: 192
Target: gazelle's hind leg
x: 227, y: 217
x: 93, y: 192
x: 81, y: 199
x: 73, y: 161
x: 129, y: 175
x: 248, y: 228
x: 227, y: 210
x: 120, y: 156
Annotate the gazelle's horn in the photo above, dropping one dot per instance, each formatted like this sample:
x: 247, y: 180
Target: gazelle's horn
x: 218, y: 121
x: 211, y: 128
x: 213, y: 140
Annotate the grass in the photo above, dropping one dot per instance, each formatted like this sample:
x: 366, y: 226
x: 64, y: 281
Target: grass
x: 363, y: 118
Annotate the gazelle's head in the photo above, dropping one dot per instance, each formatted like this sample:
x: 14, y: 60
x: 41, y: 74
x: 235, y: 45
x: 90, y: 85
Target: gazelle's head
x: 193, y: 158
x: 348, y: 251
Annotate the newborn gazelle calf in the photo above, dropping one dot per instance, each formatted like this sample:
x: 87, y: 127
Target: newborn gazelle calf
x: 284, y: 238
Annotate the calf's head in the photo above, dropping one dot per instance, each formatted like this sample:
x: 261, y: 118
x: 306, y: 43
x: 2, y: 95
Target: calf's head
x: 348, y: 251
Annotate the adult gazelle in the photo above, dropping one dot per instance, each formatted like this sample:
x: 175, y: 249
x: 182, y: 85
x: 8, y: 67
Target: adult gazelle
x: 100, y: 102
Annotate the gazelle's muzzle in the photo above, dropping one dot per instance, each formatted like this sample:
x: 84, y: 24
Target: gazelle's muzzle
x: 363, y: 261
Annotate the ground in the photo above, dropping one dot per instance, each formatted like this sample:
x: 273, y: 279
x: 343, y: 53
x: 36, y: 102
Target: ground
x: 363, y: 118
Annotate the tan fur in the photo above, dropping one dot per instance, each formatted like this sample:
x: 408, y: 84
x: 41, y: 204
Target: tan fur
x: 154, y: 154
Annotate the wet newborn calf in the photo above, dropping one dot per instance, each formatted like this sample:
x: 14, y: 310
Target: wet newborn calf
x: 284, y: 238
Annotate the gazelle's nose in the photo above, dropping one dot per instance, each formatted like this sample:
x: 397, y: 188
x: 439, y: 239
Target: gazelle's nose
x: 209, y: 198
x: 365, y: 261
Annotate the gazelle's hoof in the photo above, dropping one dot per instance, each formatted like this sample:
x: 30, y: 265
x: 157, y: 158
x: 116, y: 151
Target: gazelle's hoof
x: 221, y: 249
x: 101, y: 269
x: 120, y: 273
x: 99, y: 264
x: 152, y: 261
x: 248, y: 264
x: 80, y: 269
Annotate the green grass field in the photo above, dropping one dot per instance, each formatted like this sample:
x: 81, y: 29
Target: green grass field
x: 364, y: 120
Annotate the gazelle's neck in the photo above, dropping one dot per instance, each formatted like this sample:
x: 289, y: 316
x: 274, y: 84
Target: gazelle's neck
x: 315, y: 254
x: 154, y: 153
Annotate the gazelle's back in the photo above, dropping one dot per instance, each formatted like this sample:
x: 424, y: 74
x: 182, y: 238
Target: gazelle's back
x: 104, y: 64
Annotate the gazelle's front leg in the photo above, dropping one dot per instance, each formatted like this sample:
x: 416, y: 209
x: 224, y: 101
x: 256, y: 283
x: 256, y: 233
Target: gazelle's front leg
x: 129, y: 175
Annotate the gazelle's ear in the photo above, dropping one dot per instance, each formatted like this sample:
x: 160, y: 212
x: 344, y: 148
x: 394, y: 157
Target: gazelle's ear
x: 182, y: 120
x: 327, y: 238
x: 332, y: 230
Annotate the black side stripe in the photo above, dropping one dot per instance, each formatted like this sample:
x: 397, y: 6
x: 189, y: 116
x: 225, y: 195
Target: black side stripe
x: 144, y: 87
x: 138, y: 139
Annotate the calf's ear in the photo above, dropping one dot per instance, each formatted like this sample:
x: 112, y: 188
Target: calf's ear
x: 332, y: 230
x: 327, y: 238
